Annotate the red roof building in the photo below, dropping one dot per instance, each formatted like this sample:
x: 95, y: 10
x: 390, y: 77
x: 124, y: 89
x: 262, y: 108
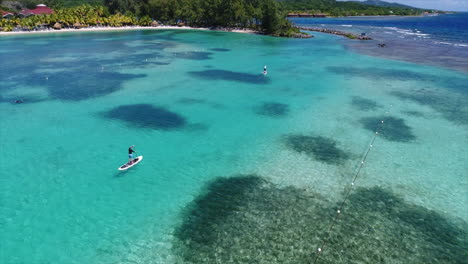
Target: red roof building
x: 6, y: 14
x: 39, y: 10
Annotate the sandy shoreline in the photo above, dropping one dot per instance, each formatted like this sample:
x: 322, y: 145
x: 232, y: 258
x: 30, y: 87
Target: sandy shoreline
x: 128, y: 28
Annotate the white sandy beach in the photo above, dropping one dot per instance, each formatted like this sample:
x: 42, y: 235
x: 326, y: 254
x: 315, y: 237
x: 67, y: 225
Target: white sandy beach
x: 126, y: 28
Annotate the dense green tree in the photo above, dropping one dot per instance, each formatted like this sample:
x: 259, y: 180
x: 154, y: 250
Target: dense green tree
x: 265, y: 15
x: 347, y: 8
x: 130, y: 7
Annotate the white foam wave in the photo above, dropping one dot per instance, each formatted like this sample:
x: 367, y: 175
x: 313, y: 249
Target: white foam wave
x: 443, y: 42
x: 451, y: 44
x: 346, y: 25
x: 411, y: 33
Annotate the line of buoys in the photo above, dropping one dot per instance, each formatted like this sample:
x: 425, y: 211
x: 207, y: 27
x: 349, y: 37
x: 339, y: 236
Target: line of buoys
x: 348, y: 192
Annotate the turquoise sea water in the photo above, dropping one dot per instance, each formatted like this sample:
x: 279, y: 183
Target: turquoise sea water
x: 238, y: 167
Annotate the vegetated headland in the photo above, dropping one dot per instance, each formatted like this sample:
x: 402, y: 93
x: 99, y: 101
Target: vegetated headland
x: 334, y: 8
x: 260, y: 16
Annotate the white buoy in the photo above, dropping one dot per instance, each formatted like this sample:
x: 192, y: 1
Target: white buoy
x: 339, y: 211
x: 319, y: 250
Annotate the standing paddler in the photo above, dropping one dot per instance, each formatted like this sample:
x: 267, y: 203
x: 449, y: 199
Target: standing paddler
x: 130, y: 154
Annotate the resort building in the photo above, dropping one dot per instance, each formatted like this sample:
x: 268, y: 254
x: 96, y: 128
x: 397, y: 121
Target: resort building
x: 305, y: 15
x: 6, y: 14
x: 40, y: 9
x: 320, y: 15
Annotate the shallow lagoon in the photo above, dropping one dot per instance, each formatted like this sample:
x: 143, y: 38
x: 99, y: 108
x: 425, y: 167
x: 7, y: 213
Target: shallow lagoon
x: 198, y: 108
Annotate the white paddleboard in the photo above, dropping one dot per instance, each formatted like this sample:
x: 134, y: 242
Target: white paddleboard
x: 128, y: 165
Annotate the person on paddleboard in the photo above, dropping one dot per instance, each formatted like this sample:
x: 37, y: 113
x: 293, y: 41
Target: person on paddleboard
x: 130, y: 154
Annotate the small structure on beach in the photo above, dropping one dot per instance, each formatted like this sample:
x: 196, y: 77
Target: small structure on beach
x: 155, y: 23
x: 57, y: 26
x: 40, y: 9
x: 77, y: 25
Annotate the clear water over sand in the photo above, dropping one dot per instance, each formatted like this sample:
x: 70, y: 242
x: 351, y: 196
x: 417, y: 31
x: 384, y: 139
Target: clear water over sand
x: 197, y: 107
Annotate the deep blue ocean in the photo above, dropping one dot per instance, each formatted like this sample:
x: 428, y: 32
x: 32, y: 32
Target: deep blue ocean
x: 451, y: 28
x: 437, y: 40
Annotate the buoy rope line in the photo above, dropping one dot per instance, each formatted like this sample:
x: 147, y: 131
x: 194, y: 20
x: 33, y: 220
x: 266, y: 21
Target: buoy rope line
x: 348, y: 192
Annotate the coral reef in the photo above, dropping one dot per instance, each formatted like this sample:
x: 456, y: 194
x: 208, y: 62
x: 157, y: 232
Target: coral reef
x: 246, y: 219
x: 320, y: 148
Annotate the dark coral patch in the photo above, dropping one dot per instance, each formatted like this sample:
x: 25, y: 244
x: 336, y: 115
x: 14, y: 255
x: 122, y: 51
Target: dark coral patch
x: 320, y: 148
x: 220, y: 49
x: 272, y: 109
x: 393, y: 128
x: 364, y: 104
x: 193, y: 55
x: 230, y: 76
x: 453, y: 83
x: 208, y: 211
x: 452, y: 106
x: 147, y: 116
x: 86, y: 85
x: 378, y: 73
x: 246, y: 219
x: 434, y: 237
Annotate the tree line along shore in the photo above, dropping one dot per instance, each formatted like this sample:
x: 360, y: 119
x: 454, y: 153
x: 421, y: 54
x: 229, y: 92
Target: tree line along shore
x: 263, y: 16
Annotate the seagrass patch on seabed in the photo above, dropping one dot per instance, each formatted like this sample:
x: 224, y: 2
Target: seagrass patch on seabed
x: 246, y: 219
x: 322, y: 149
